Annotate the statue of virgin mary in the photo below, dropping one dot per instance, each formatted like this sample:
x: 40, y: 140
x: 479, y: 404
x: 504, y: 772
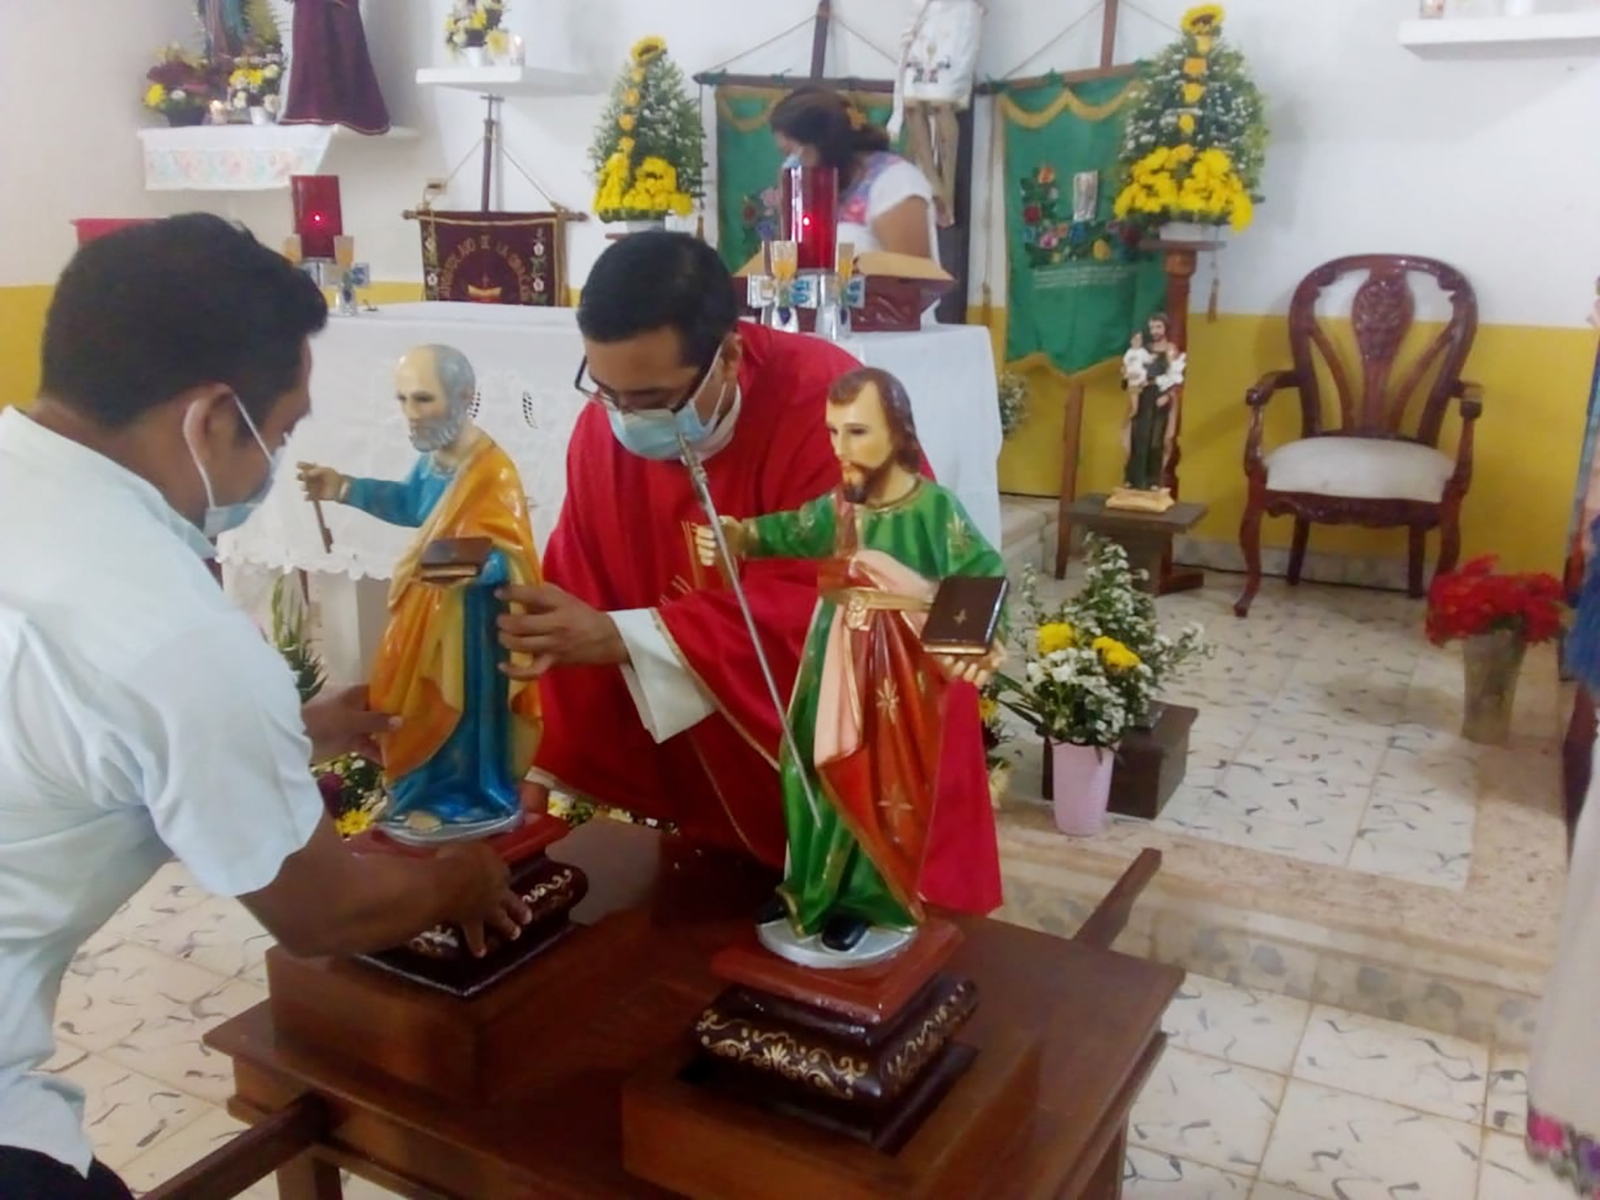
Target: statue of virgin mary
x: 225, y: 28
x: 331, y: 80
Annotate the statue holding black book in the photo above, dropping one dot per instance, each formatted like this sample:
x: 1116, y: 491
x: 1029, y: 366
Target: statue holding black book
x: 466, y: 732
x: 885, y: 793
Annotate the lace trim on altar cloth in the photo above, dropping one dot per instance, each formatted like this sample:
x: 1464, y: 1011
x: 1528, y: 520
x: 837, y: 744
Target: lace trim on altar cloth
x: 1572, y: 1156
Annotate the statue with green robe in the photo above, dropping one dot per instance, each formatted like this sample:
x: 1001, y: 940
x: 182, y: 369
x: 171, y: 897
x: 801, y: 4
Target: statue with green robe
x: 886, y: 801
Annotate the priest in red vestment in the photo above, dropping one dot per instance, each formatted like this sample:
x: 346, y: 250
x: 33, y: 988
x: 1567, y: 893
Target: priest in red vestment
x: 654, y: 701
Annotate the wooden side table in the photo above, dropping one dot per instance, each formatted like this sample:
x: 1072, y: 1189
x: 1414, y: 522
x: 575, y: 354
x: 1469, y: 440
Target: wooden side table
x: 1147, y: 537
x: 617, y: 995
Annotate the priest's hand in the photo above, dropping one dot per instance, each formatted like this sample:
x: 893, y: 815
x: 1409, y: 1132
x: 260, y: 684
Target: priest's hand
x: 321, y: 483
x: 339, y: 722
x: 556, y: 629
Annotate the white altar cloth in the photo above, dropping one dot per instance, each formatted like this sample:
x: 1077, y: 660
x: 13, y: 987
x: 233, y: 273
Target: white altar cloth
x: 525, y: 360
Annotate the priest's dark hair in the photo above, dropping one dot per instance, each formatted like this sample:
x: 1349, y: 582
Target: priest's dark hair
x: 151, y: 311
x: 660, y: 280
x: 896, y: 409
x: 831, y: 122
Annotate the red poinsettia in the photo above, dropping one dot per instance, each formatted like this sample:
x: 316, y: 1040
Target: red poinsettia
x: 1475, y: 599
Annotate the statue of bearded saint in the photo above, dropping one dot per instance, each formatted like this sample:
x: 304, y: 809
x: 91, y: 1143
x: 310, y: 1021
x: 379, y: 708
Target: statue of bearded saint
x: 871, y: 792
x: 466, y: 734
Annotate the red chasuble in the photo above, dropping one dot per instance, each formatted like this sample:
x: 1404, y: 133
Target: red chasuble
x: 624, y: 541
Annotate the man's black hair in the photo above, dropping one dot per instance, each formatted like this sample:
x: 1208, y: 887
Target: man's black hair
x: 149, y: 312
x: 660, y: 280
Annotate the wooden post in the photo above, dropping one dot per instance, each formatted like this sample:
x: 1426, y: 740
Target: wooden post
x: 1071, y: 435
x: 1180, y: 261
x: 819, y: 39
x: 1108, y: 35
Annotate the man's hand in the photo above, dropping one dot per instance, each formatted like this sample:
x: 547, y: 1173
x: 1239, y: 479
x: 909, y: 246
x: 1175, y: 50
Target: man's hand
x: 340, y: 722
x: 556, y: 629
x: 321, y: 483
x: 976, y: 671
x: 480, y: 895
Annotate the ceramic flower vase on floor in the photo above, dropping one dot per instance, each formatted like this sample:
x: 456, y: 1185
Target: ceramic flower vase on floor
x: 1080, y: 786
x: 1493, y: 663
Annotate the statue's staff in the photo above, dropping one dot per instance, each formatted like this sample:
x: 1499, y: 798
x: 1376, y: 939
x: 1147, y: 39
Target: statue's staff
x: 702, y: 487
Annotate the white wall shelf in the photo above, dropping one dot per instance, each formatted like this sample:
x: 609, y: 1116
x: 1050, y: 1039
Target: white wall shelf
x: 1541, y: 34
x: 512, y: 81
x: 244, y: 158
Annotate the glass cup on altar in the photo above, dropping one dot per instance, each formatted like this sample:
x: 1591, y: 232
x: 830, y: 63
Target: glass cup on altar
x: 809, y: 214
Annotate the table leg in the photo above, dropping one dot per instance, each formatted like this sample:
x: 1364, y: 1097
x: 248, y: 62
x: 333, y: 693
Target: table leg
x: 309, y: 1178
x: 1107, y: 1181
x: 1146, y: 553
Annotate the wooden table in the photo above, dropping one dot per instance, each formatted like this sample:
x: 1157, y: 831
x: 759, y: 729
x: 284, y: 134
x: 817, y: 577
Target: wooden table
x: 1146, y: 536
x: 668, y: 908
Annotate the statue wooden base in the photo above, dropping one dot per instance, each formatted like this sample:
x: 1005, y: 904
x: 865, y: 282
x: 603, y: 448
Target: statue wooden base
x: 438, y: 958
x: 863, y: 1054
x: 1153, y: 500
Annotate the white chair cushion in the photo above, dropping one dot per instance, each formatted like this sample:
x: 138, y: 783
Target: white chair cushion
x: 1360, y: 468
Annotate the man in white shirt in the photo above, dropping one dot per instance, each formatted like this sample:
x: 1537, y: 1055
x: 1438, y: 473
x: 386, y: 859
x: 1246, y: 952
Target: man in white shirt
x: 141, y: 714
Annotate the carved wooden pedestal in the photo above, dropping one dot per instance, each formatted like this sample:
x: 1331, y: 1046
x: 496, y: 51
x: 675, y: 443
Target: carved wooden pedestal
x: 1151, y: 763
x: 787, y: 1056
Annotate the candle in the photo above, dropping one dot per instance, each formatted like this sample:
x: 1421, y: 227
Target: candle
x: 810, y: 214
x: 317, y: 218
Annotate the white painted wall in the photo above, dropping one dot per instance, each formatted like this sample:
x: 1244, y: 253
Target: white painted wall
x: 1484, y: 163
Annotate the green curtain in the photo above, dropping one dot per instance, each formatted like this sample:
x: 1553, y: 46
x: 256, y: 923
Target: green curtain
x: 748, y: 162
x: 1076, y: 290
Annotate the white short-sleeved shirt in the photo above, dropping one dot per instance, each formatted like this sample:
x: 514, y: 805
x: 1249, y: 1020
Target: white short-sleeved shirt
x: 141, y: 715
x: 890, y: 181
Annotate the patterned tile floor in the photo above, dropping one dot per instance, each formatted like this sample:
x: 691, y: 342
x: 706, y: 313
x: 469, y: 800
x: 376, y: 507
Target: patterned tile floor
x: 1328, y: 731
x: 1259, y: 1095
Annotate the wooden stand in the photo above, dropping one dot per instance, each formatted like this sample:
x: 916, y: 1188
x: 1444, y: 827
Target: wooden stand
x: 1147, y: 537
x: 535, y: 1087
x: 1181, y: 259
x: 1151, y: 763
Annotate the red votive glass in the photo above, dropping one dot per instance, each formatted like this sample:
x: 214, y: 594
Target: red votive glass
x: 809, y: 215
x: 317, y: 218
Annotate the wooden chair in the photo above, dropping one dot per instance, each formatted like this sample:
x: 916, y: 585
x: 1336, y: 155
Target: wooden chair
x: 1367, y: 471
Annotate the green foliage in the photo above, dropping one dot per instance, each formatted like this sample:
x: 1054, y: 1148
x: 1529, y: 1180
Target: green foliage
x: 290, y: 634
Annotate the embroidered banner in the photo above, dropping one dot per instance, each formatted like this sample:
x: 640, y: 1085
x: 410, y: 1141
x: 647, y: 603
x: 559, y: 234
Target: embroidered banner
x: 1078, y: 284
x: 494, y: 258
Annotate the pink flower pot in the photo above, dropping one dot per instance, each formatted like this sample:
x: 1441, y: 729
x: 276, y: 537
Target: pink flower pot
x: 1080, y: 786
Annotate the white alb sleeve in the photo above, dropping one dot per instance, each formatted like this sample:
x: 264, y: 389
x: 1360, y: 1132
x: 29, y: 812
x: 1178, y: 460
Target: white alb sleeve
x: 668, y: 699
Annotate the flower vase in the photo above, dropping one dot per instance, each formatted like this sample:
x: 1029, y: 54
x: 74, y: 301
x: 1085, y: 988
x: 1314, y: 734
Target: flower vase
x: 649, y: 225
x: 475, y: 56
x: 1493, y: 663
x: 1190, y: 231
x: 183, y: 117
x: 259, y: 115
x: 1080, y: 786
x: 1519, y: 8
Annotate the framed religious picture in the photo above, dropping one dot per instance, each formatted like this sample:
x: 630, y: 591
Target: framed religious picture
x: 494, y: 257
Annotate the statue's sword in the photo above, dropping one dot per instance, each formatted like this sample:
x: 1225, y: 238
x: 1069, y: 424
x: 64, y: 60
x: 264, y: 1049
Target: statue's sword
x: 702, y: 487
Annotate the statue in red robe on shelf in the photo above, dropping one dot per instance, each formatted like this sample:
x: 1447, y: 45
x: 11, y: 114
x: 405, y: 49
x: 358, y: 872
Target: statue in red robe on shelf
x: 331, y: 80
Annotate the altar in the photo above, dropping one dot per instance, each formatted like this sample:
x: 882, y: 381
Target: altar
x: 526, y: 359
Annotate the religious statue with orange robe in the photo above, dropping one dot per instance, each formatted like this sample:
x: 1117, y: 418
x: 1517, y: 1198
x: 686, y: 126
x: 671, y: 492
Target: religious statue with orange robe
x: 874, y: 791
x: 466, y: 732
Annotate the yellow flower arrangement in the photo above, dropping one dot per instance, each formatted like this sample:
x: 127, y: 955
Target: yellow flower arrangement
x: 1195, y: 137
x: 647, y: 49
x: 988, y: 709
x: 1056, y: 635
x: 647, y: 152
x: 155, y: 96
x: 355, y: 821
x: 1115, y: 655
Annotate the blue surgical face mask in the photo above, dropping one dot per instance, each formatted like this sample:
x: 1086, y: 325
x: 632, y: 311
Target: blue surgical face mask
x: 792, y: 161
x: 220, y: 518
x: 654, y: 432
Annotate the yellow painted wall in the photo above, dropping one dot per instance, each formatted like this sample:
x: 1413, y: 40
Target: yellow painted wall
x: 1536, y: 387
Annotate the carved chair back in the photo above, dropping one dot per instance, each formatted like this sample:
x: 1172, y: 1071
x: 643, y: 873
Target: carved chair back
x: 1373, y: 401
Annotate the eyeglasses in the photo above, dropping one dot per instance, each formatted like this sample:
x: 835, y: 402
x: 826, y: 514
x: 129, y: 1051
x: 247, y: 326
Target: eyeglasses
x: 611, y: 401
